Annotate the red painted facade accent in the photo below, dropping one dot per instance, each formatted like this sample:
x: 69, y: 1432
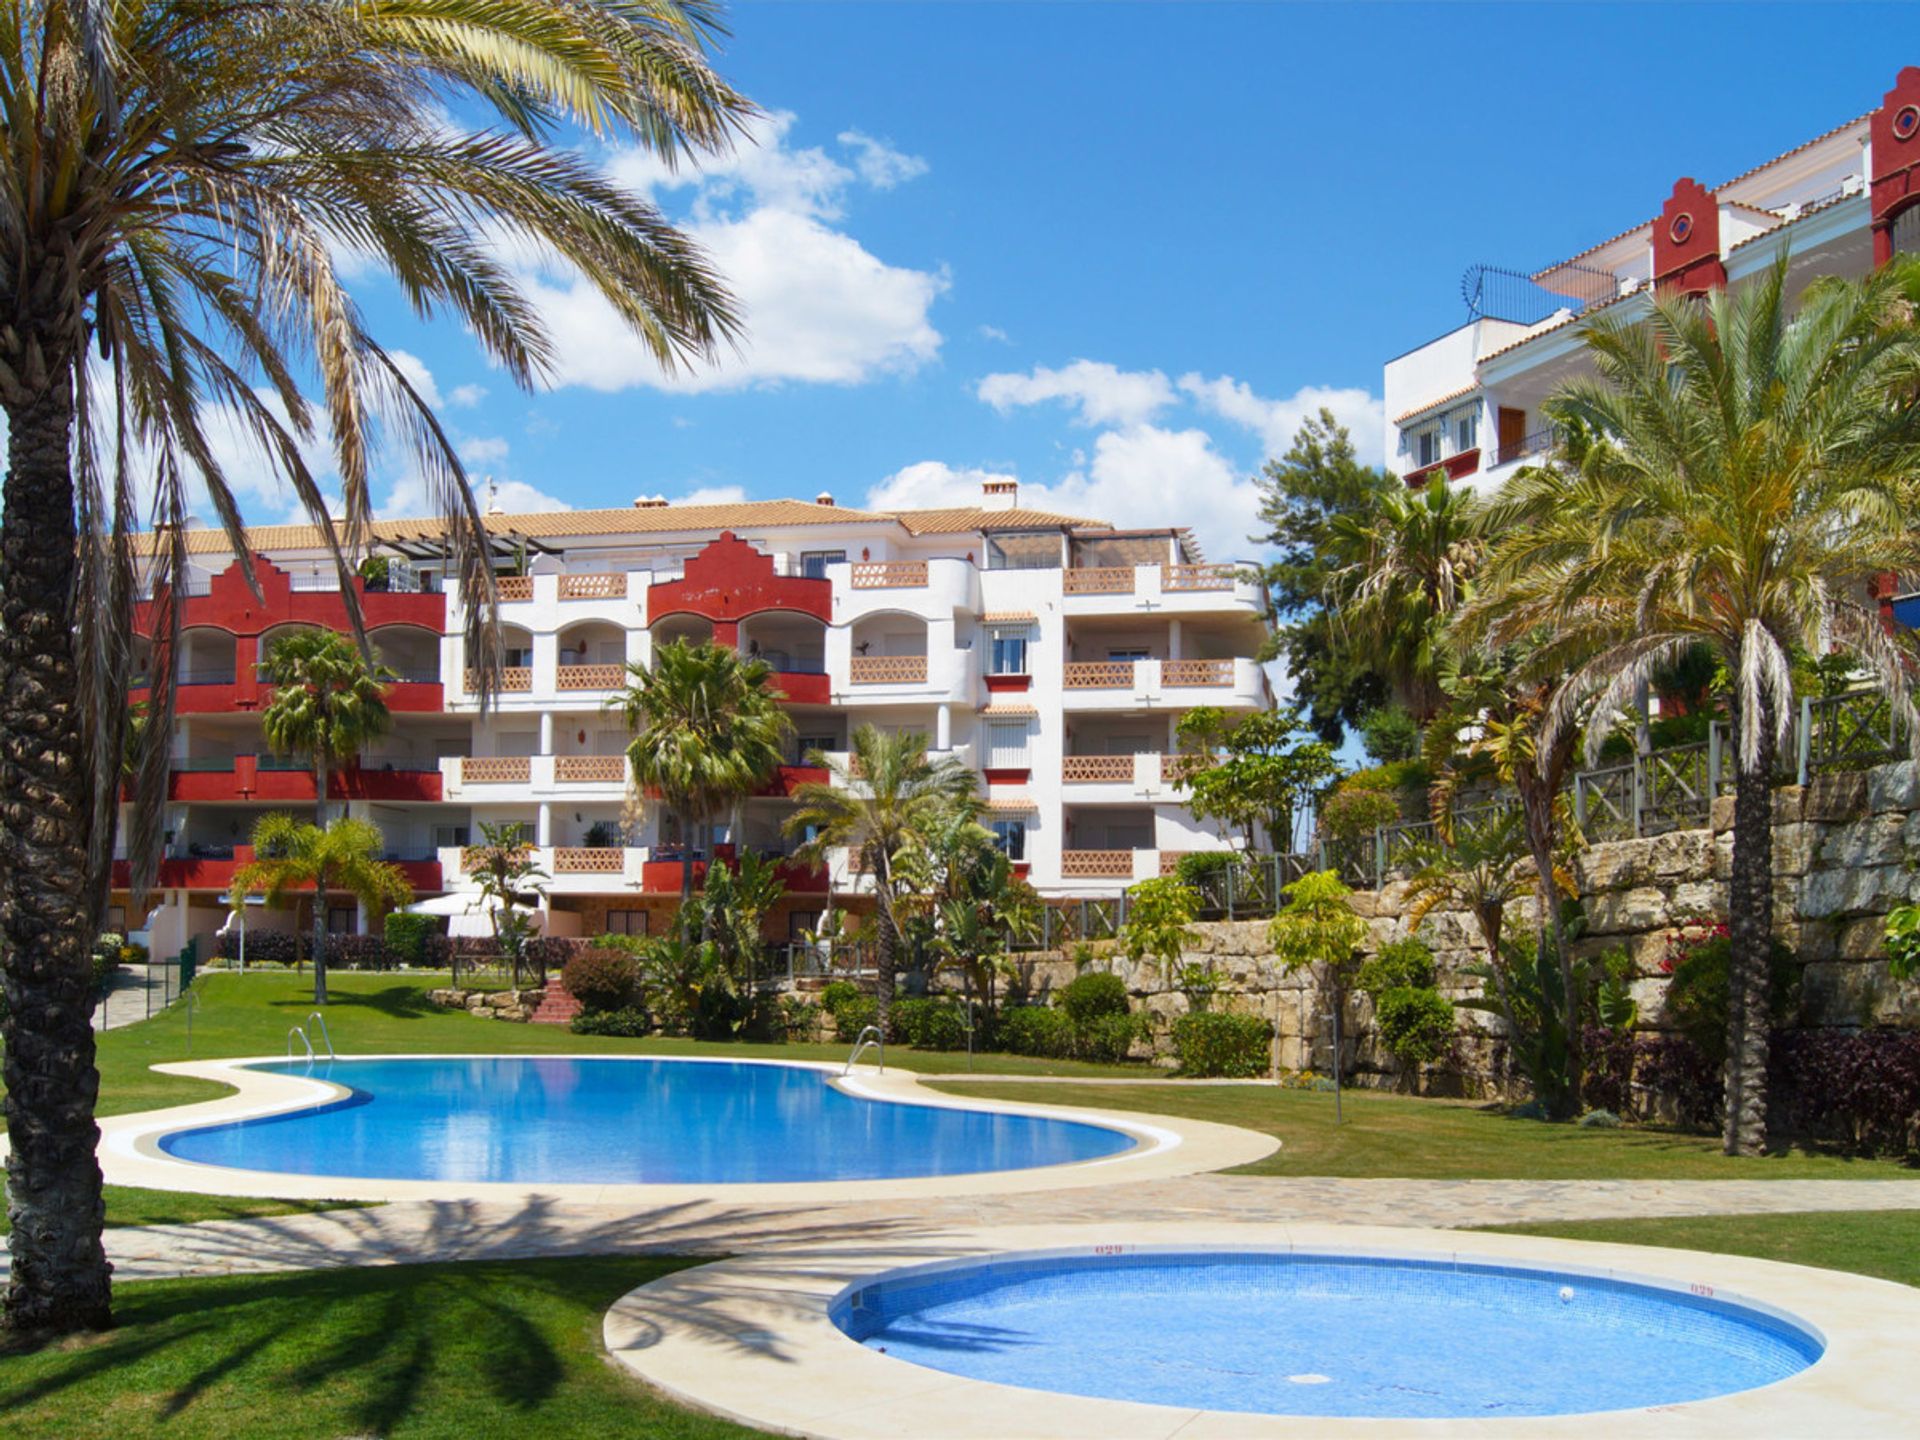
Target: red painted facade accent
x: 1457, y: 467
x: 217, y: 875
x: 730, y: 580
x: 1007, y: 777
x: 802, y: 689
x: 1895, y: 183
x: 662, y: 877
x: 790, y: 778
x: 247, y: 781
x: 1688, y: 262
x: 231, y: 606
x: 1000, y: 684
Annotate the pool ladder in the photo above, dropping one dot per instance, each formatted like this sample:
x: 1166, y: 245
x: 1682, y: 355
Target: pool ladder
x: 862, y: 1044
x: 300, y: 1032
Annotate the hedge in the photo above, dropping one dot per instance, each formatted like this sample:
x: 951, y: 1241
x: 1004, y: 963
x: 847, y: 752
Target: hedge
x: 407, y: 936
x: 264, y: 947
x: 1214, y: 1043
x: 1036, y: 1030
x: 630, y: 1023
x: 603, y: 980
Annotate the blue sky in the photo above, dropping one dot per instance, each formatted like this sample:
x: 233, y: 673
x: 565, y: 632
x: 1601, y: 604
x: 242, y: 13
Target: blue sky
x: 1116, y: 250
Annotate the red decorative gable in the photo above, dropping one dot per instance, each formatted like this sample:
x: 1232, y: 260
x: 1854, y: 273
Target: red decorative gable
x: 730, y: 580
x: 1686, y: 240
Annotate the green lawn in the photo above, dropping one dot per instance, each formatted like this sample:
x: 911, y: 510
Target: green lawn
x: 1394, y: 1136
x: 1883, y: 1243
x: 460, y: 1351
x: 129, y: 1206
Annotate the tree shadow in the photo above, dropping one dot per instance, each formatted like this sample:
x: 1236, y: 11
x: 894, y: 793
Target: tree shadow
x: 399, y: 1002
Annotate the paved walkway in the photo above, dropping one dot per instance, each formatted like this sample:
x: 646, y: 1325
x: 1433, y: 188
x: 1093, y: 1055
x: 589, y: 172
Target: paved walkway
x: 137, y: 993
x: 444, y: 1230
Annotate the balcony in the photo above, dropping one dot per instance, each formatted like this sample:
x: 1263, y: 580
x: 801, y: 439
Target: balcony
x: 205, y: 779
x: 1182, y: 579
x: 589, y: 677
x: 1098, y: 580
x: 1099, y: 674
x: 1455, y: 467
x: 514, y: 680
x: 1098, y: 864
x: 593, y: 587
x: 513, y: 589
x: 590, y: 769
x: 1127, y: 684
x: 588, y: 860
x: 1113, y: 778
x: 496, y: 770
x: 887, y: 669
x: 213, y: 867
x: 889, y: 575
x: 1097, y: 769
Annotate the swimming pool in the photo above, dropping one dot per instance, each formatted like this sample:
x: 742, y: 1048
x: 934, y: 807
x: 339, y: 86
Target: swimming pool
x: 575, y: 1120
x: 1323, y: 1334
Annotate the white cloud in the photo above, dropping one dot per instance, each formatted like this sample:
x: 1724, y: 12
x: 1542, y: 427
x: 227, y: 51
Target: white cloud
x: 417, y: 374
x: 409, y: 498
x: 819, y: 307
x: 465, y: 397
x: 995, y: 333
x: 1136, y: 474
x: 483, y: 450
x: 1101, y: 394
x: 711, y: 495
x: 1277, y: 421
x: 879, y: 164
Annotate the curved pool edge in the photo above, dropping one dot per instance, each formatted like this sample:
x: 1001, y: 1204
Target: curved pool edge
x: 752, y: 1339
x: 131, y: 1154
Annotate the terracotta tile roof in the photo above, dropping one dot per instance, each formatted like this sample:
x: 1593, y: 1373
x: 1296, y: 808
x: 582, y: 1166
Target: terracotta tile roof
x: 1448, y: 399
x: 1008, y: 617
x: 1811, y: 210
x: 974, y: 517
x: 1008, y: 708
x: 650, y: 520
x: 1788, y: 154
x: 1012, y: 804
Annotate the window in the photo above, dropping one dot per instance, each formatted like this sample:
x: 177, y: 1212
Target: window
x: 626, y: 922
x: 813, y: 563
x: 1008, y: 653
x: 1466, y: 431
x: 448, y: 836
x: 1426, y: 446
x: 1129, y: 652
x: 1011, y: 837
x: 341, y: 919
x: 1007, y: 745
x: 117, y: 919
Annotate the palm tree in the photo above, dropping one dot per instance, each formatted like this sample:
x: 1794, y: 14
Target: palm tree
x: 1735, y: 476
x: 886, y: 798
x: 181, y: 182
x: 328, y: 702
x: 511, y: 883
x: 291, y: 855
x: 1409, y: 566
x: 708, y: 730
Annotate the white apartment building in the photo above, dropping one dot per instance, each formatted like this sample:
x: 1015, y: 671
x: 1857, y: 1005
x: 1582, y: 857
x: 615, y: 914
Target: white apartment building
x: 1053, y: 654
x: 1469, y: 402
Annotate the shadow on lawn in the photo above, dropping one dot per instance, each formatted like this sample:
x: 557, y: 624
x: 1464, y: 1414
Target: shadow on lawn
x: 400, y: 1002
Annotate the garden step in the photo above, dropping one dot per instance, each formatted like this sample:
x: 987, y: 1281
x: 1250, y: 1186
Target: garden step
x: 557, y: 1007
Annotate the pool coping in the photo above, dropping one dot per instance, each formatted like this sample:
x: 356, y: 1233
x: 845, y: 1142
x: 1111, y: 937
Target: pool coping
x: 751, y: 1339
x: 131, y: 1154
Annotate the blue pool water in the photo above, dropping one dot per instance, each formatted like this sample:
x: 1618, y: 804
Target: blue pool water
x: 1329, y: 1335
x: 556, y: 1120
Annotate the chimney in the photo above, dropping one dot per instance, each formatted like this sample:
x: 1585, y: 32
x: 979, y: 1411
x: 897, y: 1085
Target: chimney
x: 825, y: 497
x: 1000, y: 494
x: 649, y: 502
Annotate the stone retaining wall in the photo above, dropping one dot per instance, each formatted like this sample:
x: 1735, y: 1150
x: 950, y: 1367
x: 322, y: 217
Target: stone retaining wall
x: 515, y: 1005
x: 1845, y: 853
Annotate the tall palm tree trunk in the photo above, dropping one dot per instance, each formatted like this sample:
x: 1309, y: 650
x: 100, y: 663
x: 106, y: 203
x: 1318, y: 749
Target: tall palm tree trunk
x: 886, y: 940
x: 320, y: 881
x: 59, y: 1277
x: 1750, y: 927
x: 1536, y: 805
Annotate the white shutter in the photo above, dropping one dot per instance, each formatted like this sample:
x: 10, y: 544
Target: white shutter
x: 1007, y: 745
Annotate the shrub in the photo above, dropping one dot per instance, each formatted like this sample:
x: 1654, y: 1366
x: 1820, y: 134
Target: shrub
x: 1400, y: 964
x: 629, y: 1022
x: 1389, y: 733
x: 1160, y: 914
x: 1610, y: 1058
x: 106, y: 959
x: 1599, y: 1120
x: 1672, y: 1068
x: 1348, y: 815
x: 1089, y: 997
x: 602, y: 979
x: 1415, y: 1023
x: 1036, y: 1030
x: 928, y: 1024
x: 798, y: 1018
x: 1108, y: 1039
x: 407, y: 937
x: 1213, y: 1043
x: 264, y: 947
x: 851, y: 1007
x: 1860, y: 1088
x: 1697, y: 959
x: 1200, y: 868
x: 354, y: 952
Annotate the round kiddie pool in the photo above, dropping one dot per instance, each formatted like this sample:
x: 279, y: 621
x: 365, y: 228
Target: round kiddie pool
x: 1324, y: 1334
x: 1212, y: 1329
x: 575, y: 1121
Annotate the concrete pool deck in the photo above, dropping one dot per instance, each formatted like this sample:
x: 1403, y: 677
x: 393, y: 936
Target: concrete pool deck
x: 131, y: 1150
x: 750, y: 1339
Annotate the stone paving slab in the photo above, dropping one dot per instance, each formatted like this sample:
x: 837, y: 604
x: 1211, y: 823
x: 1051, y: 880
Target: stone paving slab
x: 418, y: 1231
